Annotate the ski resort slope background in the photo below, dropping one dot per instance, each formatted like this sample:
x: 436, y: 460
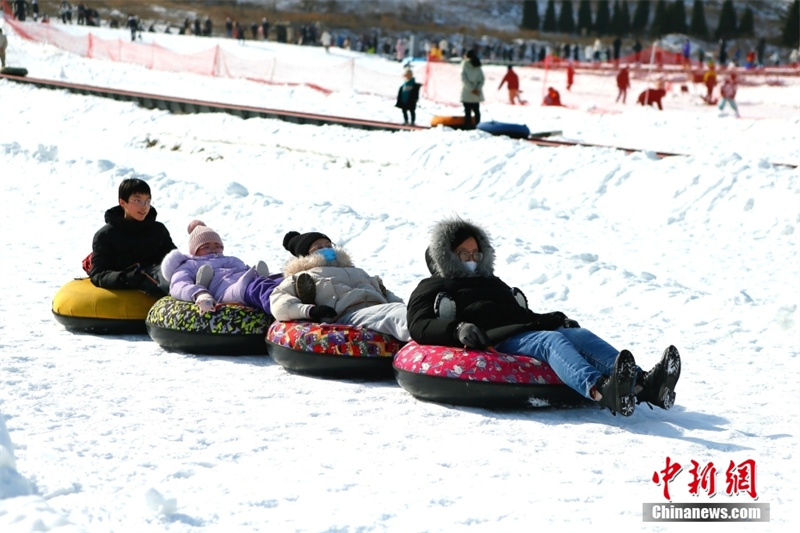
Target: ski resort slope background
x: 105, y: 434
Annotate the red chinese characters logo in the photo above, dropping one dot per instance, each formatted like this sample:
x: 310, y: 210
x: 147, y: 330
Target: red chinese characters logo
x: 739, y: 478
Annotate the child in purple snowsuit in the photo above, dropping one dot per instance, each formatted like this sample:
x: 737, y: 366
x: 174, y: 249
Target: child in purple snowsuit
x: 206, y: 277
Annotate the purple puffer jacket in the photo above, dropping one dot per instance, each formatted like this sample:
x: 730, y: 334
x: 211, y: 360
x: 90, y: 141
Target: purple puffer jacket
x: 231, y: 276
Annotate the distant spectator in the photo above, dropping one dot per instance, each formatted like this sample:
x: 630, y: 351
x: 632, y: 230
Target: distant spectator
x: 66, y: 12
x: 623, y: 83
x: 651, y: 97
x: 198, y: 30
x: 472, y: 80
x: 723, y: 52
x: 400, y: 49
x: 326, y: 40
x: 728, y: 92
x: 35, y: 8
x: 570, y: 75
x: 512, y: 83
x: 133, y: 24
x: 597, y: 50
x: 20, y: 9
x: 687, y: 52
x: 3, y: 46
x: 637, y: 52
x: 81, y: 14
x: 710, y: 81
x: 254, y: 30
x: 761, y: 51
x: 265, y: 28
x: 552, y: 98
x: 238, y: 31
x: 617, y: 48
x: 407, y: 97
x: 207, y: 26
x: 228, y: 27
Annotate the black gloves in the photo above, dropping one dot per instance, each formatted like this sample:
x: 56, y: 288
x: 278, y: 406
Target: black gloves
x: 133, y: 276
x: 569, y: 323
x: 319, y: 313
x: 471, y: 336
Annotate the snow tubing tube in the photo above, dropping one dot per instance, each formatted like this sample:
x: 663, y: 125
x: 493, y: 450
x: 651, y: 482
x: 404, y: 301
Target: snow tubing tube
x: 14, y: 71
x: 457, y: 122
x: 515, y: 131
x: 230, y: 330
x: 80, y: 306
x: 332, y: 350
x: 474, y: 378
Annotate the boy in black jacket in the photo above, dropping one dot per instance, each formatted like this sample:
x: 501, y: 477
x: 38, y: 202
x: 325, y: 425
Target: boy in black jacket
x: 127, y: 251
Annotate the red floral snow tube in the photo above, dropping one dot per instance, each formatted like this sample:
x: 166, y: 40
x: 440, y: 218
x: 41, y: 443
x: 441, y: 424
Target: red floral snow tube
x: 332, y: 350
x: 477, y: 378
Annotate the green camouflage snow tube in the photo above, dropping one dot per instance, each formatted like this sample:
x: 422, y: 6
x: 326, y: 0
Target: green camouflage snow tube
x: 232, y: 329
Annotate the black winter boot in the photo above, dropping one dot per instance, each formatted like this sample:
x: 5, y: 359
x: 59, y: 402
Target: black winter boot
x: 616, y: 390
x: 658, y: 385
x: 306, y: 289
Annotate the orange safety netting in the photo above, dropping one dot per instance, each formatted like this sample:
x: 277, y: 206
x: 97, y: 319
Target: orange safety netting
x: 327, y: 73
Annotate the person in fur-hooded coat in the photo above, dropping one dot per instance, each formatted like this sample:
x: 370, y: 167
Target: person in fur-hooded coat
x: 322, y: 284
x: 463, y: 303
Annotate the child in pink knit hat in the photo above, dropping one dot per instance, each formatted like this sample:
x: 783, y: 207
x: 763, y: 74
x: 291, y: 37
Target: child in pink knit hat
x: 207, y: 277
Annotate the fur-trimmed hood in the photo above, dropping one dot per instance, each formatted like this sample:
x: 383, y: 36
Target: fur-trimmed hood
x: 447, y: 234
x: 307, y: 262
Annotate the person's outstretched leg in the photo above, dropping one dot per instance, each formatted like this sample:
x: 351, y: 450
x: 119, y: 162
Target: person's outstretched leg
x: 568, y: 363
x: 390, y: 318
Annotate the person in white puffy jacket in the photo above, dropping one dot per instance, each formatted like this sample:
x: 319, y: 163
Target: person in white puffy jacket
x: 322, y: 284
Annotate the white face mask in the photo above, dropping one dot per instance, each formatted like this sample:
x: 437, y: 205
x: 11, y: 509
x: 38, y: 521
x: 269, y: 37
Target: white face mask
x: 471, y: 265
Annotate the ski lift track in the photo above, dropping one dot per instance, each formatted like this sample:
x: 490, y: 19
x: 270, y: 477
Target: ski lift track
x: 185, y: 105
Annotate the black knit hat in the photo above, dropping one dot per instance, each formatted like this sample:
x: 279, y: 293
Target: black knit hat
x: 298, y: 244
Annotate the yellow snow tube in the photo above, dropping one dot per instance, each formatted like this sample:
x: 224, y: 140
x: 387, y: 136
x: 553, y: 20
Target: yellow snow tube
x: 80, y: 306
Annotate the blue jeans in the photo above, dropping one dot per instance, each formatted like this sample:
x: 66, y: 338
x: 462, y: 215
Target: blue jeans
x: 578, y: 356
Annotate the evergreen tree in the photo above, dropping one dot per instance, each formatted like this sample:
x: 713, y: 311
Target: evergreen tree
x: 530, y: 14
x: 549, y: 24
x: 584, y: 17
x: 603, y: 21
x: 677, y: 17
x: 727, y: 21
x: 791, y: 32
x: 747, y: 23
x: 624, y: 19
x: 566, y: 20
x: 641, y: 17
x: 698, y: 26
x: 660, y: 25
x: 613, y: 28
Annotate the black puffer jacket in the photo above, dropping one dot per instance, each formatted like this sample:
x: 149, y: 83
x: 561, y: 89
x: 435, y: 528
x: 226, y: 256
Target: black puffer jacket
x: 122, y: 243
x: 480, y: 298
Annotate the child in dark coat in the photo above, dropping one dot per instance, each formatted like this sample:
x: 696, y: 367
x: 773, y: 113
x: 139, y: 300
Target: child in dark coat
x: 407, y: 97
x: 127, y: 251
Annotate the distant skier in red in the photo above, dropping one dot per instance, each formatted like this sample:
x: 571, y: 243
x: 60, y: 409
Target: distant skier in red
x: 512, y: 82
x: 552, y: 97
x: 570, y: 75
x: 623, y: 83
x: 652, y: 96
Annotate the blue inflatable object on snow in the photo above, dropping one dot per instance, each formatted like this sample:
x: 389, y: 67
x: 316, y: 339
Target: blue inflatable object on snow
x: 515, y: 131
